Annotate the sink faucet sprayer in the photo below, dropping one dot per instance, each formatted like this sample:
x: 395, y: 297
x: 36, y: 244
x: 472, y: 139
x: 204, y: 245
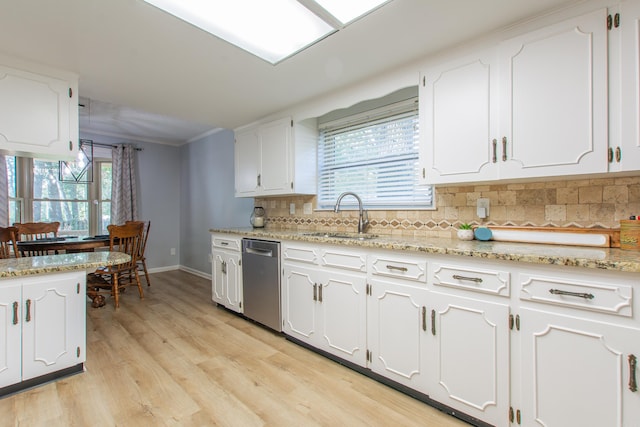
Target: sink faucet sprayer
x: 363, y: 217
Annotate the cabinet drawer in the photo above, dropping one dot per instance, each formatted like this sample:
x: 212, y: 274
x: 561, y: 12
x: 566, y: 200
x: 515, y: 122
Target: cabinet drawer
x: 589, y: 295
x: 226, y: 243
x: 489, y: 281
x: 399, y: 267
x: 344, y: 260
x: 305, y: 254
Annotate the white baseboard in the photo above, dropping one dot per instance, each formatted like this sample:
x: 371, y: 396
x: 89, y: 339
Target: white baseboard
x: 195, y: 272
x: 166, y: 268
x: 182, y: 268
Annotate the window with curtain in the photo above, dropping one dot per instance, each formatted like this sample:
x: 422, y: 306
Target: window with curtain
x: 375, y: 155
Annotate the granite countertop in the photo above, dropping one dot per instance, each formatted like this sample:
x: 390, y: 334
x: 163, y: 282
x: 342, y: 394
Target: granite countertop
x: 27, y: 266
x: 576, y: 256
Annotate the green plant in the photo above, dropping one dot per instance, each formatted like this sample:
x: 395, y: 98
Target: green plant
x: 464, y: 226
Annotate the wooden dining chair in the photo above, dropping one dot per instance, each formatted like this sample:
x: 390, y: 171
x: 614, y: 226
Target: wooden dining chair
x: 8, y: 247
x: 142, y: 260
x: 36, y: 231
x: 113, y: 279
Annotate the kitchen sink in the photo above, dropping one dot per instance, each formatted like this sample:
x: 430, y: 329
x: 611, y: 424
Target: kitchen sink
x: 342, y: 235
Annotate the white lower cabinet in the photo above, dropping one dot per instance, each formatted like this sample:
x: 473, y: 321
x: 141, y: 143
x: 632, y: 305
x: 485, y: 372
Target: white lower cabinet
x: 325, y: 306
x: 578, y: 345
x: 397, y: 332
x: 10, y: 333
x: 226, y: 267
x: 577, y: 372
x: 469, y: 367
x: 42, y: 328
x: 501, y: 342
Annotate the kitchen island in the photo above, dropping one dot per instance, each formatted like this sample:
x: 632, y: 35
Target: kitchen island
x: 494, y: 332
x: 42, y: 316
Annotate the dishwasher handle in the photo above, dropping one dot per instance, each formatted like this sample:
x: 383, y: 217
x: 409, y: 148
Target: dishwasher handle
x: 261, y: 252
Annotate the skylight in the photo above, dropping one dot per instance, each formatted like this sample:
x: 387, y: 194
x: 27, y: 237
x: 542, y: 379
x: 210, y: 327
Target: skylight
x: 272, y: 30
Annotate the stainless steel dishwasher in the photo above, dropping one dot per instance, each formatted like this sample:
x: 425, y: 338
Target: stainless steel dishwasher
x: 261, y: 282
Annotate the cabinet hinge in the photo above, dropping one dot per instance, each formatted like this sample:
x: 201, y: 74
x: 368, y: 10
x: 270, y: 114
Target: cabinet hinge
x: 70, y: 93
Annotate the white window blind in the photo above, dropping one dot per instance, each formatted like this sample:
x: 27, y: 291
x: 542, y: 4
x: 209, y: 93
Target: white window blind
x: 375, y: 155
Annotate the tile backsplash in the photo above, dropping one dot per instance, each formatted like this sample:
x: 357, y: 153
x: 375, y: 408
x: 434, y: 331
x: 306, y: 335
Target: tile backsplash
x: 588, y: 203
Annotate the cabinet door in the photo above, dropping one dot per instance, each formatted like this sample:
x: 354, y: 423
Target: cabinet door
x: 576, y: 372
x: 27, y: 98
x: 53, y: 323
x: 457, y: 103
x: 275, y: 144
x: 10, y: 333
x: 626, y: 149
x: 218, y: 284
x: 233, y: 282
x: 247, y: 162
x: 343, y: 315
x: 299, y: 298
x: 397, y: 332
x: 554, y: 100
x: 469, y: 370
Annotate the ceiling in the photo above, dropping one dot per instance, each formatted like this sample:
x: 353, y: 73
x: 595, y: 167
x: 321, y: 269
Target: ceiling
x: 148, y: 75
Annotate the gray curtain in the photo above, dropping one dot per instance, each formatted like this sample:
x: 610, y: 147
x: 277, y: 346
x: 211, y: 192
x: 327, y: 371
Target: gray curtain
x: 124, y: 205
x: 4, y: 192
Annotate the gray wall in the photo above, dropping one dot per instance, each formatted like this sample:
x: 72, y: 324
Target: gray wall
x: 185, y: 191
x: 207, y: 197
x: 159, y: 202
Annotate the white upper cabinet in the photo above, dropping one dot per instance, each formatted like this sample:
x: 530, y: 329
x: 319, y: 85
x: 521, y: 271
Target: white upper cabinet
x: 625, y: 87
x: 554, y: 103
x: 275, y: 158
x: 458, y: 119
x: 534, y: 106
x: 38, y: 111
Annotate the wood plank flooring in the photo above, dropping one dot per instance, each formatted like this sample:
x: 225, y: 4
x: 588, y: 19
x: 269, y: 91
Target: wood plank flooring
x: 175, y: 359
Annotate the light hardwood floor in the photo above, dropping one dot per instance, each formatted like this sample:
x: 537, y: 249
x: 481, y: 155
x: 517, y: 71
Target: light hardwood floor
x: 175, y: 359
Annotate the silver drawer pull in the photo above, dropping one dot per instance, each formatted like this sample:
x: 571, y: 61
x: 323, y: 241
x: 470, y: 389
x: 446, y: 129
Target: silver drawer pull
x: 393, y: 267
x: 571, y: 294
x: 470, y: 279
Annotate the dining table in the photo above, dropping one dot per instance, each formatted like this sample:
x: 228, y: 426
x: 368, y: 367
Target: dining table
x: 66, y: 244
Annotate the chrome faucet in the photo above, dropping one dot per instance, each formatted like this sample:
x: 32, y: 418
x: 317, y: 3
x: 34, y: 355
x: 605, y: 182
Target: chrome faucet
x: 363, y: 217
